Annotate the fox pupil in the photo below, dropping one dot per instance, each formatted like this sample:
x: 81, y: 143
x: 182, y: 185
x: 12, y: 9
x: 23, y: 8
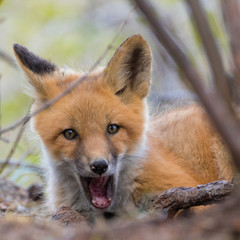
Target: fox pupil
x: 112, y: 128
x: 69, y: 134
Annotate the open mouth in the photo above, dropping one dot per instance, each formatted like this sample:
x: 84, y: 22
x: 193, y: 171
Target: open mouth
x: 99, y: 190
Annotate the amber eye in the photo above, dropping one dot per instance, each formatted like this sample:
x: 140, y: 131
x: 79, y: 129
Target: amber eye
x: 112, y: 128
x: 69, y: 134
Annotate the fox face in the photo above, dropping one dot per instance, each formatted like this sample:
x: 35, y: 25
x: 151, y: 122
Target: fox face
x: 93, y: 136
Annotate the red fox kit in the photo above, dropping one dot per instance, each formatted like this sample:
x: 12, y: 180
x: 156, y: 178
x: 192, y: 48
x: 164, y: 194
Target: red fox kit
x: 101, y: 148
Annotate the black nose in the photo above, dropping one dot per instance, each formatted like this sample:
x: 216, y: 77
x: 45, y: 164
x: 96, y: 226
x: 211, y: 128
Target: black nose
x: 99, y: 166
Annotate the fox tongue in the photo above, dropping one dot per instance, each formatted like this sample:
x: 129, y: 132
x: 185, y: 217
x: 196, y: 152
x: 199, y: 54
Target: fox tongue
x: 98, y: 190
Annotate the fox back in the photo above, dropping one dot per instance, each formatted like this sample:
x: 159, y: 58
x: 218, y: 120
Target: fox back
x: 100, y: 148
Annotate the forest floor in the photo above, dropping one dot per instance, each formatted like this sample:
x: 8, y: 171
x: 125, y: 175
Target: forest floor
x: 21, y: 218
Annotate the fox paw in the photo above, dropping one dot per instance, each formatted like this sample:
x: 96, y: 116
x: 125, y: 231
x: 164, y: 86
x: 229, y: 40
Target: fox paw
x: 66, y: 216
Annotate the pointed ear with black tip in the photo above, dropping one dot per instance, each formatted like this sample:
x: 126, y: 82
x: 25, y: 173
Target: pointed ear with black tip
x: 129, y: 70
x: 34, y: 67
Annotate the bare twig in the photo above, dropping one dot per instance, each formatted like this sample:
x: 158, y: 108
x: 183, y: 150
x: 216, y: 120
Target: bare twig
x: 12, y: 126
x: 1, y: 138
x: 47, y: 104
x: 20, y: 164
x: 213, y: 101
x: 9, y: 60
x: 175, y: 199
x: 213, y: 55
x: 4, y: 140
x: 11, y: 152
x: 110, y: 46
x: 0, y: 103
x: 231, y: 15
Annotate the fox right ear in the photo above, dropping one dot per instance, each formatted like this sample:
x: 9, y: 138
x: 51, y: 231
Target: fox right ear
x: 34, y: 67
x: 128, y: 72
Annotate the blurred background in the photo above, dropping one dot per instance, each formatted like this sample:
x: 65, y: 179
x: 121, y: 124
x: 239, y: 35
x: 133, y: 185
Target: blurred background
x: 75, y: 34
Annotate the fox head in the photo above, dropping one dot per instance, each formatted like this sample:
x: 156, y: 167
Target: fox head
x: 93, y: 135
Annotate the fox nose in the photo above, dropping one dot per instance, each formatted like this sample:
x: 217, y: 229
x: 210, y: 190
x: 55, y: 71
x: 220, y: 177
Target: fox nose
x: 99, y: 166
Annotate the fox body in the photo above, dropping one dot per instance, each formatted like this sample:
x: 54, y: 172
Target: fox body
x: 102, y: 150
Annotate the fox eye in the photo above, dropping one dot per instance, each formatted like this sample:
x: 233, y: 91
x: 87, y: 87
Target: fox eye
x: 69, y: 134
x: 112, y: 128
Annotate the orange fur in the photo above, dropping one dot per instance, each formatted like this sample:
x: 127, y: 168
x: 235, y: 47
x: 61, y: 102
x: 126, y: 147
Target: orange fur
x: 187, y: 148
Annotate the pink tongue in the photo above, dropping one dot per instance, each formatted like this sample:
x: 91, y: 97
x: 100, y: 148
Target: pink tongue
x: 98, y: 191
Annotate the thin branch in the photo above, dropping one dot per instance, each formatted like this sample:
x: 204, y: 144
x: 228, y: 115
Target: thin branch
x: 4, y: 140
x: 231, y: 16
x: 12, y: 150
x: 175, y: 199
x: 213, y: 101
x: 1, y: 138
x: 20, y: 164
x: 47, y: 104
x: 9, y: 60
x: 0, y: 104
x: 110, y: 46
x: 12, y: 126
x: 209, y: 43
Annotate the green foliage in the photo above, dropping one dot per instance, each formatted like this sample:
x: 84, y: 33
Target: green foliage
x: 14, y: 108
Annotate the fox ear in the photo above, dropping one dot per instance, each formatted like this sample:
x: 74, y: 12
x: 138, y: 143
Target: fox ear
x: 129, y: 69
x: 34, y: 67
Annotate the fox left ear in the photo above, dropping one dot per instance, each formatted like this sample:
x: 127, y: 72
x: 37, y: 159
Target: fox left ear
x: 34, y: 67
x: 129, y: 69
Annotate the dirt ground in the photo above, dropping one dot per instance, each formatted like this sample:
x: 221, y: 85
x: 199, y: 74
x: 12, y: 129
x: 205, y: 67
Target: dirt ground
x: 21, y: 218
